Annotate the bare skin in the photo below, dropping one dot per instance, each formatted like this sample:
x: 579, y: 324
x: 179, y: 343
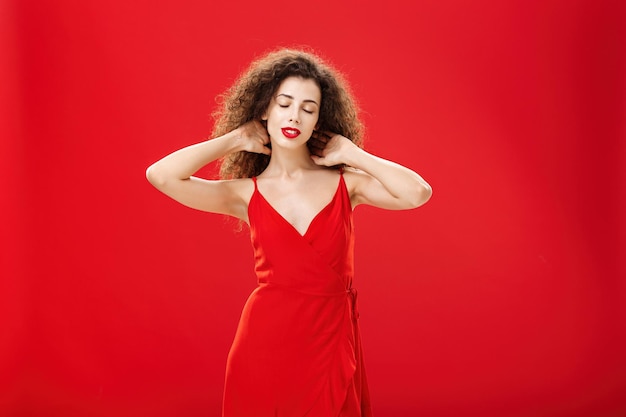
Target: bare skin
x: 296, y: 183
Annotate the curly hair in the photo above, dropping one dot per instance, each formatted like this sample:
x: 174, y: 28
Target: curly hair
x: 249, y: 97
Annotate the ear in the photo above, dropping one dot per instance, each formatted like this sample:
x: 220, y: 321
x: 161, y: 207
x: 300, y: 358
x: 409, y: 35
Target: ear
x: 264, y: 117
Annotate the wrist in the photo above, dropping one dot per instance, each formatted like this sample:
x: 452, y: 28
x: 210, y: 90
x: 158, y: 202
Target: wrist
x: 234, y: 141
x: 352, y: 156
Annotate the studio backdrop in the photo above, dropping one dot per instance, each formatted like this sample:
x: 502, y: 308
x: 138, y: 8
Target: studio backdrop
x: 503, y: 296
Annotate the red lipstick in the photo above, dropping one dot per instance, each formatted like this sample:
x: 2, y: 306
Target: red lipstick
x: 290, y: 132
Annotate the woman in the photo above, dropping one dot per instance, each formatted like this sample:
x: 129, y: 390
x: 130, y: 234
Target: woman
x: 293, y: 171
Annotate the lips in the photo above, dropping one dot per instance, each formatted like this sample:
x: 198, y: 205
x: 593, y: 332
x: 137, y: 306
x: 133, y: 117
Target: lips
x: 290, y: 132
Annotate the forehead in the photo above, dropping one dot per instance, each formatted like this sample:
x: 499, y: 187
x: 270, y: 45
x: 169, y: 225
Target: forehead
x: 300, y: 89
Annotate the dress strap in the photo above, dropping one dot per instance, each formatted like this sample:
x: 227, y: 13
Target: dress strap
x: 254, y: 180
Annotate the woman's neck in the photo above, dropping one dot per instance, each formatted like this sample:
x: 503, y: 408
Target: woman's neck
x: 289, y: 162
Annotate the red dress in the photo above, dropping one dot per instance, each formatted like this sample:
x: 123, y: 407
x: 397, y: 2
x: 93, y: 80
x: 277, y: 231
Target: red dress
x: 297, y: 350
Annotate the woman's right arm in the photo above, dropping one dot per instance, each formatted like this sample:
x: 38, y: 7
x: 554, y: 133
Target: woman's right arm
x: 173, y: 175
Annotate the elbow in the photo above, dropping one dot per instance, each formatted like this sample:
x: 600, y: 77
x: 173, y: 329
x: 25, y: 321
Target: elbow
x: 154, y: 177
x: 421, y: 195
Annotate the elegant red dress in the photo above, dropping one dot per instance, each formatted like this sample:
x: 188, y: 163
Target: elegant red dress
x: 297, y: 350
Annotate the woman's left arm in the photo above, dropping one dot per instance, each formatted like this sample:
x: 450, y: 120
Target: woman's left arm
x: 377, y: 182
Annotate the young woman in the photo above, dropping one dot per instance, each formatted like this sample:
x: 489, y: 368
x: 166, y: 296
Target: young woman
x: 293, y: 170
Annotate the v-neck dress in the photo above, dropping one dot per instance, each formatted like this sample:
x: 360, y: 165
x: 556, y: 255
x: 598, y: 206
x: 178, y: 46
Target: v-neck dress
x: 297, y: 350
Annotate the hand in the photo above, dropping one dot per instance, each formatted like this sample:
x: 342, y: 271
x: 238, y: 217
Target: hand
x: 253, y: 137
x: 329, y: 149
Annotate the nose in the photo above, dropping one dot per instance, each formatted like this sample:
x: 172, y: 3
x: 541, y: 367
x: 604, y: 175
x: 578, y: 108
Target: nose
x: 295, y: 116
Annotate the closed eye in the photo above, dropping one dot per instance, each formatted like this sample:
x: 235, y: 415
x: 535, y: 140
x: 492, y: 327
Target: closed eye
x: 284, y: 106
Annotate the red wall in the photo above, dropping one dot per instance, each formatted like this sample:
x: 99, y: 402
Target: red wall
x: 503, y: 296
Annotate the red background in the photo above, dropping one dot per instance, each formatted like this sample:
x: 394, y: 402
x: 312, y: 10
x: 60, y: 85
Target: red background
x: 503, y: 296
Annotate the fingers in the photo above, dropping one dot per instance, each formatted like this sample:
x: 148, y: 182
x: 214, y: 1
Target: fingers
x: 264, y: 147
x: 265, y: 150
x: 260, y: 138
x: 322, y: 161
x: 321, y: 139
x: 317, y: 159
x: 261, y: 131
x: 255, y: 137
x: 316, y: 146
x: 259, y: 148
x: 316, y: 143
x: 327, y: 134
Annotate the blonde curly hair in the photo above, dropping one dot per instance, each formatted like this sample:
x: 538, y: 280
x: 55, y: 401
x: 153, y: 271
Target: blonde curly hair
x: 249, y: 97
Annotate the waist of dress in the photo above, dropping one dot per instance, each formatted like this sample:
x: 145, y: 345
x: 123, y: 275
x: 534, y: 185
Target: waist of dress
x: 306, y: 291
x: 351, y: 293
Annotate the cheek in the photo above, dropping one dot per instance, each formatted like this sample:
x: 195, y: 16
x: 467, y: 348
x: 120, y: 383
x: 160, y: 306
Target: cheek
x: 272, y: 118
x: 272, y: 112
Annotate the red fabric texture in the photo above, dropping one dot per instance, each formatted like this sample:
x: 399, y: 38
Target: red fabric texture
x: 297, y: 349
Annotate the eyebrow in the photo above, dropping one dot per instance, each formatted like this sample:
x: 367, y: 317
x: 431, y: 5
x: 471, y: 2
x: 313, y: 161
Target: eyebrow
x: 305, y: 101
